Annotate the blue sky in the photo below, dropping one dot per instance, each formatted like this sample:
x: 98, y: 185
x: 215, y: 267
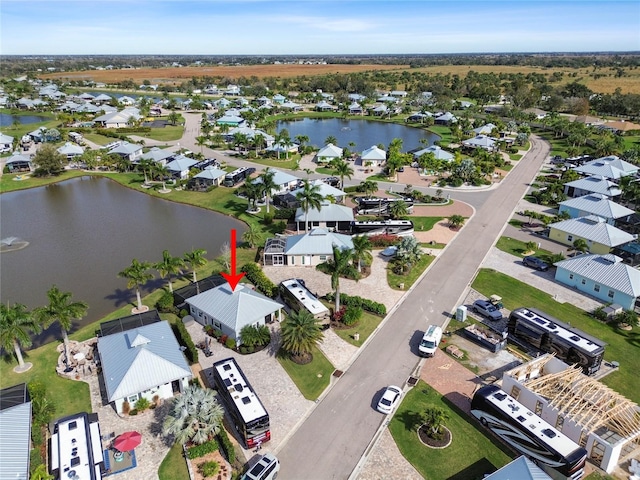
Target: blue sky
x: 265, y: 27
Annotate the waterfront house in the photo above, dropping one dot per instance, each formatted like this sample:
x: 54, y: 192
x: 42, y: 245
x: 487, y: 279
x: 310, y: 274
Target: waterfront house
x: 18, y: 163
x: 158, y: 155
x: 373, y: 156
x: 328, y: 153
x: 330, y: 216
x: 130, y: 151
x: 15, y: 432
x: 437, y: 151
x: 180, y: 165
x: 481, y: 141
x: 209, y: 177
x: 307, y: 249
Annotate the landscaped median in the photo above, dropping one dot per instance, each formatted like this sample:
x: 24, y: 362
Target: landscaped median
x: 312, y: 378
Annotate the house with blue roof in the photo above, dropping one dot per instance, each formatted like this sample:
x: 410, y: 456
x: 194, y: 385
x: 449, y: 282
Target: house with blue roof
x: 231, y: 120
x: 481, y: 141
x: 18, y: 163
x: 595, y: 231
x: 437, y: 151
x: 180, y: 166
x: 230, y: 310
x: 285, y: 182
x: 605, y: 277
x: 130, y: 151
x: 119, y: 119
x: 306, y: 249
x: 594, y: 204
x: 142, y: 362
x: 209, y: 177
x: 593, y: 184
x: 158, y: 155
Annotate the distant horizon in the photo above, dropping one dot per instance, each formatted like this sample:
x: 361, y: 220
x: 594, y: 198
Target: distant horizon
x: 317, y: 27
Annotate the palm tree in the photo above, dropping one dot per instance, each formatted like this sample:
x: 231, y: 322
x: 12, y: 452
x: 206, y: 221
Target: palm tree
x: 361, y: 250
x: 253, y: 191
x: 137, y: 274
x: 268, y: 184
x: 195, y: 258
x: 195, y: 416
x: 435, y: 417
x: 302, y: 140
x: 580, y: 245
x: 145, y: 164
x: 369, y: 187
x: 309, y: 198
x: 300, y: 332
x: 173, y: 117
x: 342, y: 169
x: 398, y: 209
x: 253, y: 336
x: 337, y: 267
x: 15, y: 325
x: 252, y: 235
x: 331, y: 139
x: 201, y: 141
x: 456, y: 221
x: 62, y: 309
x: 168, y: 266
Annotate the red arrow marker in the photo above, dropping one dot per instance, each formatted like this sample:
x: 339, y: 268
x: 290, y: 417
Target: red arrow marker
x: 231, y: 277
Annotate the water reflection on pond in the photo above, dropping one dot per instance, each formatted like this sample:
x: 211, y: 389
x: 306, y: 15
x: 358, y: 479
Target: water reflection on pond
x: 83, y: 231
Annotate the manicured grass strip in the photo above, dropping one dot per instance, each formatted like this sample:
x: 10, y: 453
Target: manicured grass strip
x: 518, y: 248
x: 288, y: 163
x: 325, y: 170
x: 312, y: 378
x: 166, y: 134
x: 472, y: 453
x: 364, y: 328
x: 409, y: 279
x: 424, y: 224
x: 622, y: 346
x: 174, y: 466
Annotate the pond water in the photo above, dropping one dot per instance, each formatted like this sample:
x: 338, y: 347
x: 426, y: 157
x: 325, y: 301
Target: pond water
x: 364, y: 133
x: 6, y: 120
x: 83, y: 231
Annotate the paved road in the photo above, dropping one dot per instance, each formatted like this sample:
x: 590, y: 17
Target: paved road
x: 329, y: 444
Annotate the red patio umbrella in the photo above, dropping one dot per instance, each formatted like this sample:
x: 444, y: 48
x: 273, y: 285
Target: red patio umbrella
x: 127, y: 441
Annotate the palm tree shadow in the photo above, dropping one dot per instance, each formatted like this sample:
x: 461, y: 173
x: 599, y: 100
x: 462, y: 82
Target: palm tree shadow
x: 122, y: 297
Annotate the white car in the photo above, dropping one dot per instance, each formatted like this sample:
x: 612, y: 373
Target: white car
x: 267, y: 468
x: 390, y: 399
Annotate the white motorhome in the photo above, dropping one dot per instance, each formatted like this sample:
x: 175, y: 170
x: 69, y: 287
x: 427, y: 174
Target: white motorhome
x: 430, y: 341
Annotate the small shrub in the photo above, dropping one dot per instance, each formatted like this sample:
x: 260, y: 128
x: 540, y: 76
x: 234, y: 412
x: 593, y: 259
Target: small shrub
x: 133, y: 412
x: 126, y: 407
x: 384, y: 240
x: 142, y: 404
x: 284, y: 213
x: 183, y: 313
x: 223, y: 339
x: 165, y: 303
x: 599, y: 314
x: 201, y: 450
x: 351, y: 316
x: 226, y: 445
x: 280, y: 227
x: 209, y: 469
x: 256, y: 276
x: 230, y: 343
x: 208, y: 329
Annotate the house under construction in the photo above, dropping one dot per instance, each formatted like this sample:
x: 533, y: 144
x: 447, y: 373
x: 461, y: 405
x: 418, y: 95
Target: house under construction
x: 594, y: 416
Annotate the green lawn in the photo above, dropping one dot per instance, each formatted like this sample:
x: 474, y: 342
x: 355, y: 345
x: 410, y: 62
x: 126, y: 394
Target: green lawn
x: 424, y: 224
x: 443, y: 132
x: 409, y: 279
x: 8, y: 184
x: 365, y: 327
x: 518, y: 248
x: 622, y: 346
x: 325, y: 170
x: 311, y: 379
x: 166, y: 134
x: 97, y: 138
x: 174, y: 466
x: 471, y: 454
x: 290, y: 164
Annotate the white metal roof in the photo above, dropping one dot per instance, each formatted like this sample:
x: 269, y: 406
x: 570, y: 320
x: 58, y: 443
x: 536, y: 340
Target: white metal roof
x: 596, y: 185
x: 521, y: 469
x: 317, y: 242
x: 597, y: 204
x: 330, y: 151
x: 595, y: 229
x: 325, y: 189
x: 437, y: 151
x: 15, y: 439
x: 212, y: 173
x: 234, y: 308
x: 609, y: 167
x: 129, y: 369
x: 374, y: 153
x: 606, y: 270
x: 329, y: 212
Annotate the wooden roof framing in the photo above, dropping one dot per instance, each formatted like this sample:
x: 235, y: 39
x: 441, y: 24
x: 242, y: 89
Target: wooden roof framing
x: 588, y: 402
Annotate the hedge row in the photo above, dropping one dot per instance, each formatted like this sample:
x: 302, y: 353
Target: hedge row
x: 198, y: 451
x: 256, y: 276
x: 184, y: 339
x: 355, y: 301
x: 226, y: 445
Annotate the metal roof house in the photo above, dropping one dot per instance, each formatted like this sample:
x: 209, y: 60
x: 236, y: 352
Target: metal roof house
x: 599, y: 235
x: 231, y: 310
x: 611, y: 168
x: 180, y: 165
x: 325, y: 190
x: 118, y: 119
x: 18, y: 163
x: 446, y: 118
x: 593, y: 184
x: 70, y: 150
x: 484, y: 129
x: 307, y: 249
x: 209, y: 177
x: 594, y: 204
x: 521, y: 468
x: 142, y: 361
x: 328, y: 152
x: 602, y: 276
x: 6, y: 143
x: 130, y: 151
x: 373, y: 154
x: 158, y: 155
x: 437, y: 151
x: 330, y: 216
x: 284, y: 181
x: 15, y: 432
x: 481, y: 141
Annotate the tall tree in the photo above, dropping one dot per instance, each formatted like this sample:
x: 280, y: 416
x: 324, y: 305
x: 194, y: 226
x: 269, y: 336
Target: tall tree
x: 300, y: 332
x: 62, y: 309
x: 398, y: 209
x: 48, y: 161
x: 331, y: 140
x: 168, y: 266
x: 268, y: 184
x: 337, y: 267
x: 361, y: 250
x: 252, y: 235
x: 137, y: 274
x: 194, y: 259
x: 195, y: 416
x: 309, y: 198
x: 16, y: 323
x: 342, y: 169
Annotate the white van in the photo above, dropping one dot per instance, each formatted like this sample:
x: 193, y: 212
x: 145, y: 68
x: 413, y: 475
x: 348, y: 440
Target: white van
x: 430, y: 341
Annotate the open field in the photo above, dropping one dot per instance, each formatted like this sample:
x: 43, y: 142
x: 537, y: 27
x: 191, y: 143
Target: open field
x: 602, y: 80
x: 176, y: 74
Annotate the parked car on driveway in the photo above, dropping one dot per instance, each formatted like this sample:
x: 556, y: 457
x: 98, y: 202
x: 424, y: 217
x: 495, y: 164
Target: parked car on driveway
x: 267, y: 468
x: 535, y: 262
x: 390, y: 399
x: 487, y: 309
